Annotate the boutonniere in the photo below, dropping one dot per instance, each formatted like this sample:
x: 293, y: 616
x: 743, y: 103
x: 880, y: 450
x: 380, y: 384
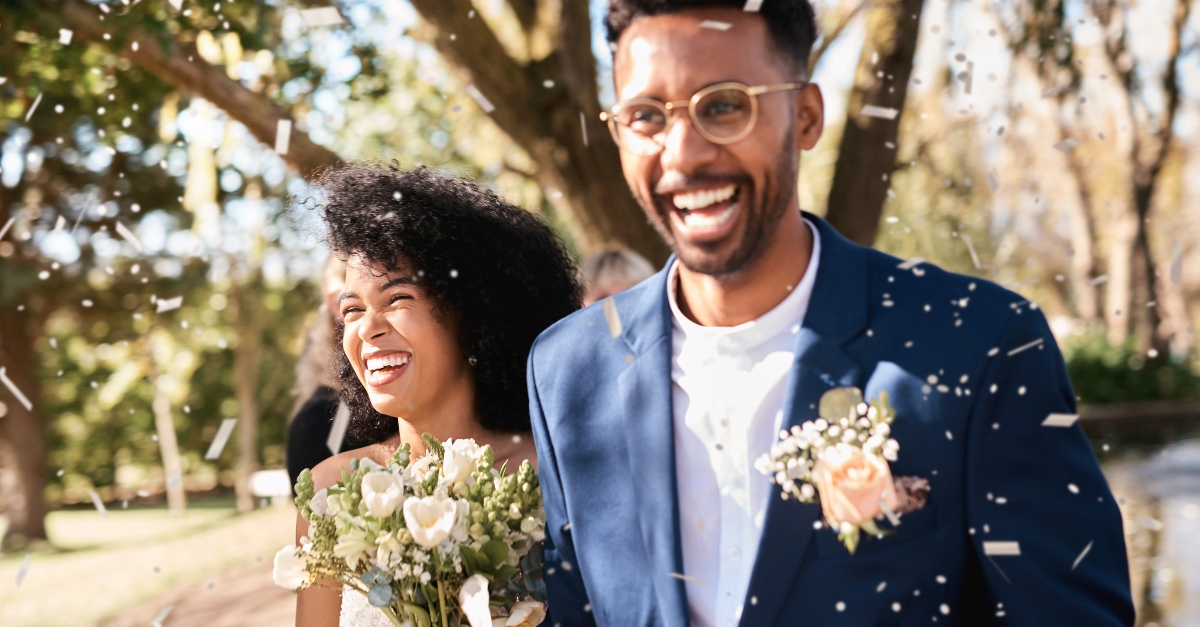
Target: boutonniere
x: 841, y: 460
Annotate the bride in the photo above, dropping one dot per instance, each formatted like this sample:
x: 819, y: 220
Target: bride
x: 446, y: 288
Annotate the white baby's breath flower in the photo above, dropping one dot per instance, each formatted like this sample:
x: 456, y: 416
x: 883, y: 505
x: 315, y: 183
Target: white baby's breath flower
x: 430, y: 519
x: 319, y: 504
x: 290, y: 569
x: 821, y: 424
x: 382, y: 493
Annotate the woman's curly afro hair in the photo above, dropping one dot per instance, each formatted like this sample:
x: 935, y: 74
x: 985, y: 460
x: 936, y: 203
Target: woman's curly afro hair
x: 500, y: 273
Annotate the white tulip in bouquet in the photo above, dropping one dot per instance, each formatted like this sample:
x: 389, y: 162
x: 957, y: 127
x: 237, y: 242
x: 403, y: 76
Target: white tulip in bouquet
x: 445, y: 540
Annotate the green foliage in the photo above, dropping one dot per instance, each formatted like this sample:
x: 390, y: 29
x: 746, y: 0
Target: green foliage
x: 1105, y: 374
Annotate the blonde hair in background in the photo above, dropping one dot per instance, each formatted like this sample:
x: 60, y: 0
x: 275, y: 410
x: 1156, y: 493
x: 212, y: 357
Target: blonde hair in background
x: 612, y: 270
x: 314, y: 368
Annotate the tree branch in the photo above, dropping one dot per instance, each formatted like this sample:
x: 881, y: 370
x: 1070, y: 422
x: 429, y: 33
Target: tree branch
x: 830, y: 35
x: 180, y: 65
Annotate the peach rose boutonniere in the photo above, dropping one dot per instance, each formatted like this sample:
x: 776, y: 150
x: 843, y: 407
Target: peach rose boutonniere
x: 841, y: 460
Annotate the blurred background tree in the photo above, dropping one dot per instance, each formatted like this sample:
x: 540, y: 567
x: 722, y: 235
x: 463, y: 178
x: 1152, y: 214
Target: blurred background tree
x: 148, y: 150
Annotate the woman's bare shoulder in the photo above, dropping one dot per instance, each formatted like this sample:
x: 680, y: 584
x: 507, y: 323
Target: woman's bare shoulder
x: 329, y: 471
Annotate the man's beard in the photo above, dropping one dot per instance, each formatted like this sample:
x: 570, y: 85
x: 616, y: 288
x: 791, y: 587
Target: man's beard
x: 761, y: 220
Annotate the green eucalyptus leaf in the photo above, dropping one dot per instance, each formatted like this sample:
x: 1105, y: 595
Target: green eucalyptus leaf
x: 838, y: 402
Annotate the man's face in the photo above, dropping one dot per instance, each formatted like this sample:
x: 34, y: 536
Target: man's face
x: 717, y: 205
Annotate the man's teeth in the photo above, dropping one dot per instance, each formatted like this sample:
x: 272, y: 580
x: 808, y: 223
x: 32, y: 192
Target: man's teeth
x: 700, y: 220
x: 692, y: 201
x: 379, y: 363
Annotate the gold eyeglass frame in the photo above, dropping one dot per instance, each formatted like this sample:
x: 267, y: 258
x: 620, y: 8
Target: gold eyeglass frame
x: 667, y: 107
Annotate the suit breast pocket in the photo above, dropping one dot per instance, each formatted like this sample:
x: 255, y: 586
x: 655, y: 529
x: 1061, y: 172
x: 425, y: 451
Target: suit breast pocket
x: 914, y: 527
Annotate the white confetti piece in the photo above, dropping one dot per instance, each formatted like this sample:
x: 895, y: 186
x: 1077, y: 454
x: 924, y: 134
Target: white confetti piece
x: 338, y: 432
x: 583, y: 125
x: 129, y: 236
x: 971, y: 249
x: 968, y: 77
x: 1103, y: 278
x: 483, y: 102
x: 752, y: 6
x: 178, y: 4
x: 283, y: 136
x: 1060, y: 420
x: 161, y: 616
x: 1067, y: 144
x: 23, y: 570
x: 993, y: 179
x: 1082, y: 555
x: 1037, y: 342
x: 687, y: 578
x: 7, y: 226
x: 1176, y: 261
x: 883, y: 113
x: 98, y: 503
x: 1002, y: 548
x: 58, y: 226
x: 612, y: 317
x: 12, y: 387
x: 323, y: 16
x: 715, y: 25
x: 168, y: 304
x: 1054, y: 91
x: 33, y: 107
x: 911, y: 263
x: 64, y: 36
x: 173, y: 480
x: 218, y: 443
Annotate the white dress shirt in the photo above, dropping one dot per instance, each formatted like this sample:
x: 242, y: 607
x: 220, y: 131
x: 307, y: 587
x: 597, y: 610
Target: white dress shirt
x: 728, y: 389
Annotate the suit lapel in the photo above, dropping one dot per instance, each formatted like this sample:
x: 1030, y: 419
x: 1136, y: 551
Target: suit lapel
x: 645, y: 388
x: 837, y: 313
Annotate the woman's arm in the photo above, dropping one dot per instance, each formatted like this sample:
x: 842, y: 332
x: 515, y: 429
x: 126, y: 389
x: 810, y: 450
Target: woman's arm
x: 321, y: 604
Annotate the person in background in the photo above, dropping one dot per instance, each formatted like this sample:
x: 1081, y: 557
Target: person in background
x: 610, y: 271
x: 316, y: 396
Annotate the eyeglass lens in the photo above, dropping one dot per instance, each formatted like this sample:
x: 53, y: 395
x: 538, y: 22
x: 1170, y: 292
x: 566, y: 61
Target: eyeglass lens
x: 721, y: 114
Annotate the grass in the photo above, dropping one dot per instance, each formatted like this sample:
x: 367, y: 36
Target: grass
x: 101, y: 565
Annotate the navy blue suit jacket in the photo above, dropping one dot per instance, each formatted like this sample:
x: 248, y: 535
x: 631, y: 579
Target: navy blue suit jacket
x: 971, y: 370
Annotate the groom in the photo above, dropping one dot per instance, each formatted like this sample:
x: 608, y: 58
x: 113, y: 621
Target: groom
x: 650, y: 408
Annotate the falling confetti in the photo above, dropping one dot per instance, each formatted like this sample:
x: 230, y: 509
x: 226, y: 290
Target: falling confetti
x: 687, y: 578
x: 23, y: 570
x: 323, y: 16
x: 64, y: 36
x: 752, y: 6
x: 1176, y: 261
x: 715, y: 25
x: 1001, y: 548
x: 1082, y: 555
x: 483, y: 102
x: 1060, y: 420
x: 98, y: 503
x: 7, y: 226
x: 168, y: 304
x: 883, y: 113
x: 583, y: 125
x: 1037, y: 342
x: 283, y: 134
x: 1067, y: 144
x: 338, y: 431
x: 218, y: 443
x: 129, y: 236
x: 911, y: 263
x: 971, y: 249
x: 33, y: 107
x: 993, y: 180
x: 162, y: 615
x: 612, y: 317
x: 1103, y: 278
x: 12, y: 387
x: 1054, y: 91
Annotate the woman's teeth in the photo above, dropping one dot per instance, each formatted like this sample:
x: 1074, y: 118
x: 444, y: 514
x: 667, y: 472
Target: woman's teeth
x: 379, y: 363
x: 691, y: 201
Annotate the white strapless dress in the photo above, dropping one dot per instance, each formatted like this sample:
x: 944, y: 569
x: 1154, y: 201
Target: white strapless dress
x: 357, y: 612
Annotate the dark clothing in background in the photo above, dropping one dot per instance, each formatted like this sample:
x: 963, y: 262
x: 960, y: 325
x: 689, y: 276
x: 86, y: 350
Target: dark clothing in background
x: 309, y: 431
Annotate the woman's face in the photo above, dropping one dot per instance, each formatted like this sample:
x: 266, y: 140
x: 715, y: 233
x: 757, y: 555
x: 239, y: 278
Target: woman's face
x: 405, y: 356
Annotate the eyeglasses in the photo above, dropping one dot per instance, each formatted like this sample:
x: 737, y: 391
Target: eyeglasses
x: 721, y: 113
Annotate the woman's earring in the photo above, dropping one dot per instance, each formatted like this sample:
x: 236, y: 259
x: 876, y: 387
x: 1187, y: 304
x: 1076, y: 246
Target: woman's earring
x: 471, y: 360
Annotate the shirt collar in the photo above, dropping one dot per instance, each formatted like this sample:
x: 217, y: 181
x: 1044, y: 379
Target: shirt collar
x: 786, y: 317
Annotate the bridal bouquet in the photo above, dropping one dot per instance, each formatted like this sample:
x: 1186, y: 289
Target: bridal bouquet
x: 445, y: 540
x: 841, y: 460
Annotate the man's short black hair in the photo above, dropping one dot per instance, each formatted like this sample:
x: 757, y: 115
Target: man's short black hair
x: 792, y: 24
x: 498, y: 271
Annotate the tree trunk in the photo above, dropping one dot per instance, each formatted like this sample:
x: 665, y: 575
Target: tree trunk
x: 1083, y: 237
x: 164, y: 427
x: 247, y: 312
x: 864, y: 166
x: 1118, y: 290
x: 23, y: 451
